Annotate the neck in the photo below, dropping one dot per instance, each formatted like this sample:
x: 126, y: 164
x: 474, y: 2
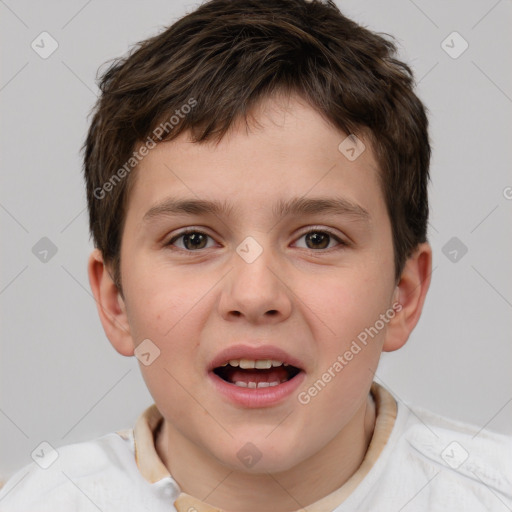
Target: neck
x: 206, y: 479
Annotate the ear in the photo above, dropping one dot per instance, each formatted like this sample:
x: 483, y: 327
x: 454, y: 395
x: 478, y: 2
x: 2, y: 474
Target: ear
x: 111, y: 306
x: 409, y: 297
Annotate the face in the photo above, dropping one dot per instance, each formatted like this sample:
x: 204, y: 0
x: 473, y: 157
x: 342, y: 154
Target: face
x: 254, y: 266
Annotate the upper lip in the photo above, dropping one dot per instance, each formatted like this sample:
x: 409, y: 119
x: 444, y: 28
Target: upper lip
x: 254, y: 353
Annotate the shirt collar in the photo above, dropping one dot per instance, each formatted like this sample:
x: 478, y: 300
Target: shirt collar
x: 153, y: 469
x: 150, y: 464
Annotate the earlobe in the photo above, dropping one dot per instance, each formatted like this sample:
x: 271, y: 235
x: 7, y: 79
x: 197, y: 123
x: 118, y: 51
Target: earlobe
x: 110, y: 304
x: 409, y: 296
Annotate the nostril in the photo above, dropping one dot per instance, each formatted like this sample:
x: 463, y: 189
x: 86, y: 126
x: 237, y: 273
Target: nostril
x: 272, y: 312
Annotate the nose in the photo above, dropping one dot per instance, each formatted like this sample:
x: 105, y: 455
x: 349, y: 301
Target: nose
x: 256, y: 291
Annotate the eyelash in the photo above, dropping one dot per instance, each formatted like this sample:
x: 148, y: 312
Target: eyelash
x: 189, y: 231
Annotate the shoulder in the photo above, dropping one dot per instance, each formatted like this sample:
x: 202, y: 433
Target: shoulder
x: 73, y: 474
x: 464, y: 448
x: 459, y: 463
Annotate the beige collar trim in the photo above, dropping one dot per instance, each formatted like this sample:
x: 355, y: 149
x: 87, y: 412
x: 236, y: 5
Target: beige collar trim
x: 146, y: 427
x: 153, y: 469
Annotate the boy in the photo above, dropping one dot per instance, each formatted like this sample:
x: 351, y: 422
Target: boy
x: 257, y: 189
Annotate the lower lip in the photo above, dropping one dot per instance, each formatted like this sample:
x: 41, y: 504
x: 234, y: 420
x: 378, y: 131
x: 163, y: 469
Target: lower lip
x: 256, y: 397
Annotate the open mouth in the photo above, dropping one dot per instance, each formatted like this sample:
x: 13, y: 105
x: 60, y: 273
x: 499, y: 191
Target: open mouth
x: 257, y: 373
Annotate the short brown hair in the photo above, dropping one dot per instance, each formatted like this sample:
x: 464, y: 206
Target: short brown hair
x: 224, y: 58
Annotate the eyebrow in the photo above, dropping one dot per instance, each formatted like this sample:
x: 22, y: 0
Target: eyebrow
x: 292, y: 207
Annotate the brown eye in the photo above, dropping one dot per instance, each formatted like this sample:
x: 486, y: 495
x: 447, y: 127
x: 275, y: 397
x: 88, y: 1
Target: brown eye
x: 317, y: 240
x: 191, y: 241
x: 195, y: 241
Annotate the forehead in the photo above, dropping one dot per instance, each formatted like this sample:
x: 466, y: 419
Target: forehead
x: 286, y: 150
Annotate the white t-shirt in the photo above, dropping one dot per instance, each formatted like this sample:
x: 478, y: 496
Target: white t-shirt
x: 416, y: 461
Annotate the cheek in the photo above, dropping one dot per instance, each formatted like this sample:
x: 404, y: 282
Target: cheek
x: 343, y: 305
x: 171, y: 320
x: 159, y: 299
x: 345, y: 308
x: 170, y: 308
x: 153, y: 314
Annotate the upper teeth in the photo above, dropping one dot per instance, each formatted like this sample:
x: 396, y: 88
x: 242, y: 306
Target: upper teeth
x: 255, y: 363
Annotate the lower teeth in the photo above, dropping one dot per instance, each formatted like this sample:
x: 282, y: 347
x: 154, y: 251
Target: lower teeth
x: 254, y: 385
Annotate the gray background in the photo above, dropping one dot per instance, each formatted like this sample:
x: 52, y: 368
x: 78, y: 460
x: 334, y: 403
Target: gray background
x: 62, y: 382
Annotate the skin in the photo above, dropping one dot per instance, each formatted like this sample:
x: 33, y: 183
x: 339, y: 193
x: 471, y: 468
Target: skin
x: 311, y: 302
